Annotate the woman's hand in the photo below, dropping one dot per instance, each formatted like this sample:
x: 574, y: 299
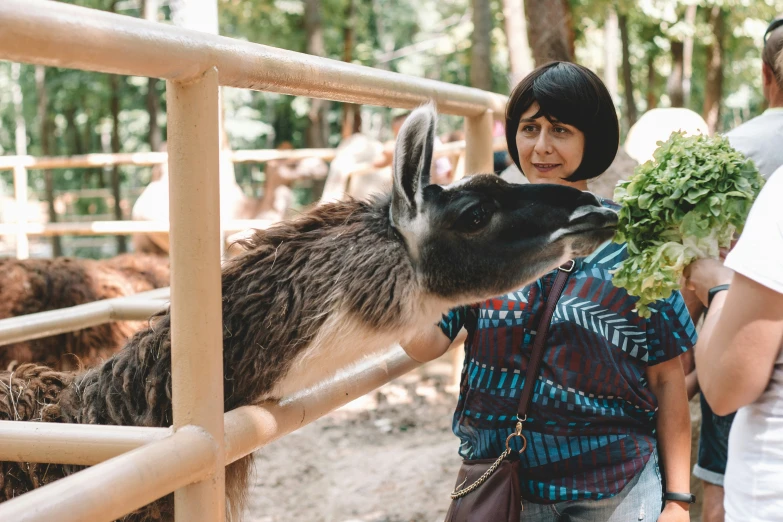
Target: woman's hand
x: 703, y: 274
x: 675, y: 512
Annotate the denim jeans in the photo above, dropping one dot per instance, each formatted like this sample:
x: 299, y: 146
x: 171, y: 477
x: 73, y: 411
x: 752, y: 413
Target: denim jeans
x: 713, y: 445
x: 640, y: 499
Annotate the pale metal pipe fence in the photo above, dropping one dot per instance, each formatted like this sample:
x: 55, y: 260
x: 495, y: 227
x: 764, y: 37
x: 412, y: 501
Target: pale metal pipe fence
x: 87, y: 228
x: 123, y: 227
x: 246, y: 428
x: 191, y: 461
x: 146, y: 159
x: 137, y: 307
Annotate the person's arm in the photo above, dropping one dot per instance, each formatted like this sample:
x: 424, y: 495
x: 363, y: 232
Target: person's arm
x: 741, y: 337
x: 431, y: 343
x: 692, y: 384
x: 667, y: 382
x: 695, y: 310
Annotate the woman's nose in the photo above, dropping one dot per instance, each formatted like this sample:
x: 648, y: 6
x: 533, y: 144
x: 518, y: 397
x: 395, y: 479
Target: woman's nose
x: 542, y: 144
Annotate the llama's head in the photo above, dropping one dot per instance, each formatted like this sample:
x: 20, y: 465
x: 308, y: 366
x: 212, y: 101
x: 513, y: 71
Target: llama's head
x: 482, y: 236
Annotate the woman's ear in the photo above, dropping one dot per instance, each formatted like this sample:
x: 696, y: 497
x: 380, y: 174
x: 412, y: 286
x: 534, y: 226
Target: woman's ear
x: 768, y: 75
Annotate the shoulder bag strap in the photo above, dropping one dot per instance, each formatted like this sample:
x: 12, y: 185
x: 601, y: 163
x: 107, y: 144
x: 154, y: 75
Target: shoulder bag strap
x: 537, y: 355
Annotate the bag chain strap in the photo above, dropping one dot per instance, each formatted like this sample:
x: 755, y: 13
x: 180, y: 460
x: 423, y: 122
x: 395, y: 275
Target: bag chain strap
x: 543, y: 328
x: 457, y: 493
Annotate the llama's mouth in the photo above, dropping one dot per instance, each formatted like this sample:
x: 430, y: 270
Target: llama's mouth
x: 607, y: 228
x: 602, y: 224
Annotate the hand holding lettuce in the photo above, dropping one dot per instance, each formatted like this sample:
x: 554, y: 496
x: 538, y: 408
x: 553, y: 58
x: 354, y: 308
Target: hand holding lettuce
x: 685, y: 204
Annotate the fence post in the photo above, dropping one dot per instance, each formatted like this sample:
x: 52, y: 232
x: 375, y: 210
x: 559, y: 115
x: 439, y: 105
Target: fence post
x: 20, y: 193
x: 478, y: 144
x: 196, y: 309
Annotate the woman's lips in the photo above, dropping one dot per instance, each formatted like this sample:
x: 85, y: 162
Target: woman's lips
x: 545, y: 167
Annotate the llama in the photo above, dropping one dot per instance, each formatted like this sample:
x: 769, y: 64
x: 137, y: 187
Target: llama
x: 309, y: 295
x: 37, y: 285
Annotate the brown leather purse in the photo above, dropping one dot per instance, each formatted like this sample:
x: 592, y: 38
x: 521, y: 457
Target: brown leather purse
x: 488, y: 490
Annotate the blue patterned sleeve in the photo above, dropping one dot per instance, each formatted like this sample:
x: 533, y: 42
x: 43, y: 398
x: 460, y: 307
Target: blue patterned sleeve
x: 670, y: 331
x: 454, y: 320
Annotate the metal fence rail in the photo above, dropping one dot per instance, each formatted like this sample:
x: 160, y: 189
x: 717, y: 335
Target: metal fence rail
x: 123, y: 227
x: 191, y: 461
x: 137, y: 307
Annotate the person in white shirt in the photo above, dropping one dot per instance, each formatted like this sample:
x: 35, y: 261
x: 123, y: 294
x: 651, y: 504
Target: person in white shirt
x: 739, y: 360
x: 760, y: 138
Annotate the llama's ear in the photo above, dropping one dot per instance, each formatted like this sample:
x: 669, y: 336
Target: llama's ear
x: 412, y: 161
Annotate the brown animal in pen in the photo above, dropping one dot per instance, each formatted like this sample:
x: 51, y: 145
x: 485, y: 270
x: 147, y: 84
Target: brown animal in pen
x: 310, y: 295
x: 38, y: 285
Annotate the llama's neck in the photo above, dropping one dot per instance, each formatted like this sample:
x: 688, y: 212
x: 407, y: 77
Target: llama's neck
x: 284, y: 296
x: 338, y: 262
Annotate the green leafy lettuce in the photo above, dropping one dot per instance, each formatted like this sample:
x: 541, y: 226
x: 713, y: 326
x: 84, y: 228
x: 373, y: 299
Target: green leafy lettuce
x: 684, y: 204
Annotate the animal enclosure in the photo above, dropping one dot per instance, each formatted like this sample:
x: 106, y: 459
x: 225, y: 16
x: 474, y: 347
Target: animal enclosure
x: 135, y: 466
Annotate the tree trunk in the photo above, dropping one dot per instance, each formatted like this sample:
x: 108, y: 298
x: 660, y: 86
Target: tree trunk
x: 114, y: 83
x: 611, y: 53
x: 520, y: 58
x: 630, y: 102
x: 548, y: 30
x: 652, y: 99
x: 713, y: 90
x: 317, y: 130
x: 687, y: 59
x: 569, y: 27
x: 352, y: 117
x: 674, y: 87
x: 155, y: 135
x: 481, y: 46
x: 77, y: 144
x: 46, y: 150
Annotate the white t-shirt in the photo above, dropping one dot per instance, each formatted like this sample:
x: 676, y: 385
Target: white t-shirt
x: 760, y: 139
x: 754, y: 474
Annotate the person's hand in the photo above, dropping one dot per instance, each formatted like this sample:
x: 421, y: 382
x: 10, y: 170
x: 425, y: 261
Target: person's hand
x: 675, y: 512
x: 703, y: 274
x: 692, y: 301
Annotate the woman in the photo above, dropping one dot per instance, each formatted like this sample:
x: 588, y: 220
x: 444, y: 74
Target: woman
x: 740, y: 343
x: 611, y: 390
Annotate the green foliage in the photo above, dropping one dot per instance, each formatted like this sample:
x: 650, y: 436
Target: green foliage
x: 685, y: 204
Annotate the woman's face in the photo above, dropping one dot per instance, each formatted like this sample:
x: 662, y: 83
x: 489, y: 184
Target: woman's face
x: 548, y: 151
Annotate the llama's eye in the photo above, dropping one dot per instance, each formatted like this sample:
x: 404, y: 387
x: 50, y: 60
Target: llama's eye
x: 473, y: 219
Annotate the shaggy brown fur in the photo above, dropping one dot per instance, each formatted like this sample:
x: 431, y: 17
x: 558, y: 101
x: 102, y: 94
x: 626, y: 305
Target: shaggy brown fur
x: 288, y: 270
x: 37, y: 285
x: 342, y: 280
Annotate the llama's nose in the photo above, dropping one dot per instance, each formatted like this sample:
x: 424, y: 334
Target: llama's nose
x: 587, y: 199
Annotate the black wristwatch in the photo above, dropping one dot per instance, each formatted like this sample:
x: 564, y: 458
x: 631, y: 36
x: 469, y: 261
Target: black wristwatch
x: 713, y: 291
x: 688, y: 498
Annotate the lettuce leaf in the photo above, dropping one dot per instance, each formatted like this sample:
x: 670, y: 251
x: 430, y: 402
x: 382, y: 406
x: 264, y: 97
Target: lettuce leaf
x: 686, y: 203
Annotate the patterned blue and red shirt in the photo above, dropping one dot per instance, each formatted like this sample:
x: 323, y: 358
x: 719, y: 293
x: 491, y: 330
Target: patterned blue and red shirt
x: 591, y: 425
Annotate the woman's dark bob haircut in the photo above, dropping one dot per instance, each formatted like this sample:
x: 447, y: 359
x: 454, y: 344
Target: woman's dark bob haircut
x: 574, y: 95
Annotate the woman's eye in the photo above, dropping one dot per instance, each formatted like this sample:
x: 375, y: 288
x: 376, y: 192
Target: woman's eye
x: 528, y: 128
x: 560, y: 130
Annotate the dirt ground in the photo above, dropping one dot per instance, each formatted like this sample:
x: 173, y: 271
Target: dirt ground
x: 387, y: 457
